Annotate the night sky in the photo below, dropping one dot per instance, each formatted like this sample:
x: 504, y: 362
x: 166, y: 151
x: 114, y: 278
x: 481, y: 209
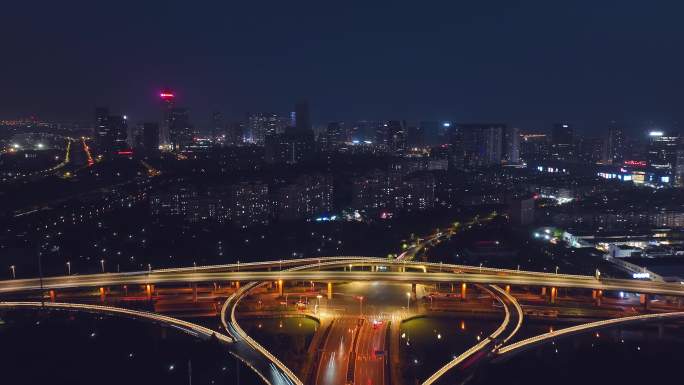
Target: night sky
x: 527, y: 63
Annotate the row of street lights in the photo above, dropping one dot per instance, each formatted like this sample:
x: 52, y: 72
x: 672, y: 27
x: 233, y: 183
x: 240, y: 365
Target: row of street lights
x: 13, y: 268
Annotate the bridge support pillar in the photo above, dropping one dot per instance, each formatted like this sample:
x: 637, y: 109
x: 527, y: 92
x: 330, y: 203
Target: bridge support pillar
x: 52, y: 296
x: 414, y: 291
x: 103, y: 294
x: 330, y: 291
x: 453, y: 289
x: 464, y: 291
x: 597, y: 295
x: 280, y: 287
x: 543, y: 291
x: 237, y: 285
x: 194, y: 292
x: 149, y: 289
x: 554, y: 294
x: 644, y: 299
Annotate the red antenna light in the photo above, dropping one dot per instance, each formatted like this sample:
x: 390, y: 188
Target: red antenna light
x: 167, y: 94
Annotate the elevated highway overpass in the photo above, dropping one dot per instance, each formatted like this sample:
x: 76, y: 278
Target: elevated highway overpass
x: 317, y: 270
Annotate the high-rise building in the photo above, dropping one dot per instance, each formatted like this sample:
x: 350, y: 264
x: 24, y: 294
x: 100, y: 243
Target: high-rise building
x: 111, y: 131
x: 662, y: 149
x: 309, y: 196
x: 563, y: 142
x: 291, y: 147
x: 265, y: 124
x: 103, y: 137
x: 249, y: 204
x: 371, y: 192
x: 432, y: 133
x: 417, y: 193
x: 511, y: 145
x: 478, y: 145
x: 235, y: 134
x: 216, y: 125
x: 335, y: 135
x: 415, y: 136
x: 679, y: 168
x: 151, y: 137
x: 615, y: 151
x: 396, y: 135
x: 302, y: 116
x: 534, y: 147
x: 134, y: 136
x: 590, y: 150
x: 180, y: 130
x: 119, y: 127
x: 362, y: 130
x: 378, y: 191
x: 187, y: 203
x: 168, y: 102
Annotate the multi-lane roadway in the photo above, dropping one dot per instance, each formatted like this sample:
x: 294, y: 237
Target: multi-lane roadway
x: 446, y: 273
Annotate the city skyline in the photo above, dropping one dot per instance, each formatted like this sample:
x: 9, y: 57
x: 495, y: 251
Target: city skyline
x: 465, y: 63
x: 358, y: 193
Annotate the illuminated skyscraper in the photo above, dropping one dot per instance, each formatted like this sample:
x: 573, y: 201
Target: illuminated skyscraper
x: 478, y: 145
x: 216, y: 125
x: 102, y: 136
x: 111, y: 131
x: 168, y: 101
x: 511, y: 145
x: 265, y: 124
x: 562, y: 142
x: 396, y: 135
x: 180, y: 130
x: 662, y: 149
x: 335, y: 135
x: 616, y: 145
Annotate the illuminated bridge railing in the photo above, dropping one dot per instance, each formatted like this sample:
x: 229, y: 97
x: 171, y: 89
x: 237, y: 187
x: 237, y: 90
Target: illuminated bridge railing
x: 188, y: 327
x: 532, y: 341
x: 475, y: 348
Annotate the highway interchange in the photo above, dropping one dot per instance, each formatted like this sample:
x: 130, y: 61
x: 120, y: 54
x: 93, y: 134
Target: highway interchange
x: 353, y: 350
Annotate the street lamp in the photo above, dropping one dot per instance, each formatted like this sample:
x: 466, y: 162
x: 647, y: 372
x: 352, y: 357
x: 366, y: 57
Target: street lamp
x: 480, y: 266
x: 408, y: 301
x: 68, y: 265
x: 102, y: 261
x: 556, y: 269
x: 14, y: 271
